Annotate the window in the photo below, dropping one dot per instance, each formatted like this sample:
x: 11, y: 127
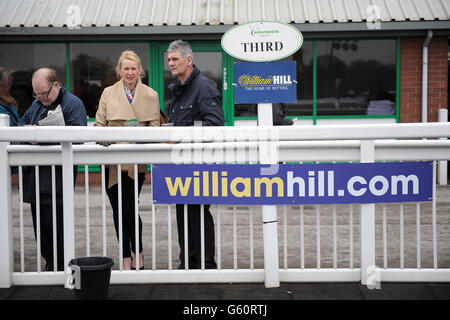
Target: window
x: 356, y: 77
x: 22, y: 59
x: 92, y: 68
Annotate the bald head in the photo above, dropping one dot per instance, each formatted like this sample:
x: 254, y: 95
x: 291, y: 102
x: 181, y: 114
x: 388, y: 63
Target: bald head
x: 45, y: 74
x: 45, y: 85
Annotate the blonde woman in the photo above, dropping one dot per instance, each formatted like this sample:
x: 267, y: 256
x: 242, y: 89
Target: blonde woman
x: 127, y: 99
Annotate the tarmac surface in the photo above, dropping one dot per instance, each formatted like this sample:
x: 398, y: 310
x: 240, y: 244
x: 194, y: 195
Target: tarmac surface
x: 244, y: 291
x: 228, y: 292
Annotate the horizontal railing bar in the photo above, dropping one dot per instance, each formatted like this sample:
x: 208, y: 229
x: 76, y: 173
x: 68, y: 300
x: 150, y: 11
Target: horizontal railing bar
x: 187, y: 276
x: 411, y: 143
x: 206, y: 146
x: 412, y: 154
x: 329, y: 151
x: 217, y: 134
x: 38, y: 278
x: 242, y: 275
x: 150, y: 276
x: 39, y: 159
x: 297, y: 156
x: 414, y: 275
x: 383, y: 143
x: 320, y: 275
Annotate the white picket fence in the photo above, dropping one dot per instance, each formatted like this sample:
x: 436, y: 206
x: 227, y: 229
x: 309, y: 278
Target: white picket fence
x: 300, y: 229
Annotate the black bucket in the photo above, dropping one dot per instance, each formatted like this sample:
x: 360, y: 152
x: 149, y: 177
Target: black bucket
x: 90, y: 277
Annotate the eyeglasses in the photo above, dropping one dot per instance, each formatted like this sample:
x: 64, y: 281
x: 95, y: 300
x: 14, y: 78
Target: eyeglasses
x: 43, y: 95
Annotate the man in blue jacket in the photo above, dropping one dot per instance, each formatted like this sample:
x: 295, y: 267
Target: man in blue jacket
x: 49, y: 93
x: 196, y: 99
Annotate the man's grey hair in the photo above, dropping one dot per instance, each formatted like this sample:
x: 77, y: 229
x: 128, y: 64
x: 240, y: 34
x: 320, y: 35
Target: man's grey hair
x: 182, y: 46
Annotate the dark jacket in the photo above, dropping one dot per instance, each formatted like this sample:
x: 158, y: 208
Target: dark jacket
x: 74, y: 115
x: 279, y: 115
x: 197, y: 99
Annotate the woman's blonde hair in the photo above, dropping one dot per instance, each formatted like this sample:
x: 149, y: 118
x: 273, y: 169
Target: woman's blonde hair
x: 130, y: 55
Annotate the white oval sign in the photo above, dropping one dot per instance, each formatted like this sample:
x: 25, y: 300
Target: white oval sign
x: 262, y: 41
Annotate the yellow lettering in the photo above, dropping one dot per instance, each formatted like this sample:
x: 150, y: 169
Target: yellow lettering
x: 196, y: 184
x: 269, y: 182
x: 224, y: 184
x: 215, y: 184
x: 178, y: 185
x: 247, y: 187
x: 247, y: 80
x: 205, y: 183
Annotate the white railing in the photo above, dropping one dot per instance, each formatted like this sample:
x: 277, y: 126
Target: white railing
x: 359, y: 143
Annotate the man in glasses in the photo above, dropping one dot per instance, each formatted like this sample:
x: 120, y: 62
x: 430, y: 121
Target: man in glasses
x: 49, y: 93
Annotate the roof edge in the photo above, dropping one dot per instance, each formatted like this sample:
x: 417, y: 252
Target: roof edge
x: 406, y: 28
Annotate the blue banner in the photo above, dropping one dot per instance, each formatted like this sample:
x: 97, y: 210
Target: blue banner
x: 338, y: 183
x: 269, y: 82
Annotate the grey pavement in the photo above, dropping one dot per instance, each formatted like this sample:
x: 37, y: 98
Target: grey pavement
x: 256, y: 291
x: 244, y: 291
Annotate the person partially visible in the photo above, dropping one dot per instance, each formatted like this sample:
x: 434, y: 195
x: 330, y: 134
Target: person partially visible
x: 380, y: 102
x: 21, y: 90
x: 8, y: 104
x: 127, y: 100
x: 279, y: 115
x: 196, y: 99
x: 49, y: 93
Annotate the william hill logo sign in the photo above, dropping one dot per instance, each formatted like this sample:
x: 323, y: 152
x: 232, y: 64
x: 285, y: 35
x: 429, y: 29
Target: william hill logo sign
x: 336, y: 183
x: 247, y: 80
x: 262, y: 41
x: 265, y: 82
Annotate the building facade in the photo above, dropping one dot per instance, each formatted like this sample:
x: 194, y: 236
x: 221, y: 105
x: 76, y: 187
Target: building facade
x: 354, y: 51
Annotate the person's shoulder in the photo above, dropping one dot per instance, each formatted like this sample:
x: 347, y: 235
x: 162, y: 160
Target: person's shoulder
x: 148, y: 90
x: 206, y: 84
x: 73, y: 99
x: 109, y: 89
x: 203, y: 78
x: 11, y: 108
x: 5, y: 107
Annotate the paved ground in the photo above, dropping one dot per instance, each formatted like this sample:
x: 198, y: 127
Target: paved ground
x: 257, y: 291
x: 241, y: 291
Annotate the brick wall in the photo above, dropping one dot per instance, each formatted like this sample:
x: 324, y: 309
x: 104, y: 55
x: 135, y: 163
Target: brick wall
x: 411, y: 78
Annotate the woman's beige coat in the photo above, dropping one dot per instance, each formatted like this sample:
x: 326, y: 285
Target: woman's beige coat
x: 114, y: 110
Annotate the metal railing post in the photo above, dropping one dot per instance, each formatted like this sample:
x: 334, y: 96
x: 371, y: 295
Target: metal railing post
x: 367, y: 222
x: 68, y: 204
x: 6, y: 250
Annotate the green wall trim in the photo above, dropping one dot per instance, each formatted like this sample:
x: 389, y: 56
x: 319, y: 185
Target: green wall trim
x: 397, y: 90
x: 314, y: 82
x: 68, y: 66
